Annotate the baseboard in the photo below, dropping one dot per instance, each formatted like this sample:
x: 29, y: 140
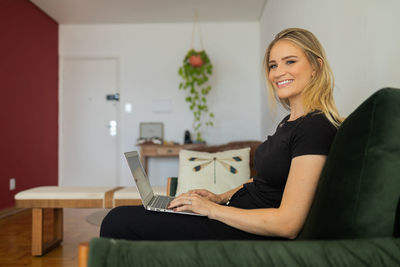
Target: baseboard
x: 10, y: 211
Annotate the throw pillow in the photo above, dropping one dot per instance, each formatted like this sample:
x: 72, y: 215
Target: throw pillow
x: 216, y: 172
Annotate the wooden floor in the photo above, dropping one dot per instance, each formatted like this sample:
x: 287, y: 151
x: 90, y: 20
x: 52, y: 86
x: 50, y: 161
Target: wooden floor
x: 15, y: 239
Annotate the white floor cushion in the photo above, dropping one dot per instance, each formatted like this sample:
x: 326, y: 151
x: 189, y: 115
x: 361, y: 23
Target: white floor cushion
x: 63, y: 192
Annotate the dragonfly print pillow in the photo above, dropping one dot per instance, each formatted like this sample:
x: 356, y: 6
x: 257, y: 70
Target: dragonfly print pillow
x: 217, y: 172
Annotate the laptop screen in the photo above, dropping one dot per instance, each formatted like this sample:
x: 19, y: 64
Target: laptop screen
x: 141, y: 179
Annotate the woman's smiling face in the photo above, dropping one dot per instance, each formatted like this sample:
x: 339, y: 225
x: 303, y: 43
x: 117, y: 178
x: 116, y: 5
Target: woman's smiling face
x: 289, y: 70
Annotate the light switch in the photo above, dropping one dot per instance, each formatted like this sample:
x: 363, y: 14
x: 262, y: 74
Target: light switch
x: 128, y: 108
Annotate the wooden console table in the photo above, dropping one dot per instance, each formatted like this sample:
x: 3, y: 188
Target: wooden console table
x: 148, y: 151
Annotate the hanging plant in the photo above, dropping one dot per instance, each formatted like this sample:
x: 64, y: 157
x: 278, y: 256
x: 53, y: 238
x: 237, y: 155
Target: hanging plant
x: 195, y: 72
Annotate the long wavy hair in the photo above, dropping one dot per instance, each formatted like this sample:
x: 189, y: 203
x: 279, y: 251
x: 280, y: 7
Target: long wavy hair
x: 318, y: 94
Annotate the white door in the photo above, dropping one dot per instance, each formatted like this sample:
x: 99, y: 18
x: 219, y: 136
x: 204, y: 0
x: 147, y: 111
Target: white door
x: 88, y: 122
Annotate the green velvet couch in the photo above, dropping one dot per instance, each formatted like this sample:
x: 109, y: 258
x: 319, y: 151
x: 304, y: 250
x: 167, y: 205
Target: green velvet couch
x: 354, y: 220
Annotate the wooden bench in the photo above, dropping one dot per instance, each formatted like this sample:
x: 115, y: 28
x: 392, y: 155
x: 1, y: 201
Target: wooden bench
x: 50, y: 201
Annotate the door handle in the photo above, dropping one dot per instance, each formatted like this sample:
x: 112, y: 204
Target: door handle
x: 113, y: 97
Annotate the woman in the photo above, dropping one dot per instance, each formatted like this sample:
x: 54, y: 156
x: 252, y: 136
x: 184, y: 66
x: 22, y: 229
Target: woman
x: 275, y: 203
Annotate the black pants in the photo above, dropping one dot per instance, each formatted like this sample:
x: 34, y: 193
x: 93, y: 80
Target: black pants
x: 136, y: 223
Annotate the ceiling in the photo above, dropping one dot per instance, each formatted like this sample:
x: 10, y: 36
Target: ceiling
x: 150, y: 11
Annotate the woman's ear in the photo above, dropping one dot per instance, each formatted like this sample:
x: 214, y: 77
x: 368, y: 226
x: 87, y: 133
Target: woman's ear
x: 320, y: 62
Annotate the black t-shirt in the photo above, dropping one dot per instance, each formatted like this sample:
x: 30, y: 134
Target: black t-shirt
x: 307, y: 135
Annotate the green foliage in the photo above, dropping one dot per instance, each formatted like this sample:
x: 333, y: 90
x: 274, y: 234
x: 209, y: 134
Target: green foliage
x: 194, y: 81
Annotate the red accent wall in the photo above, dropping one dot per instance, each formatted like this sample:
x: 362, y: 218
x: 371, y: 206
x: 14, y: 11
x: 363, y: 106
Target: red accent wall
x: 28, y: 98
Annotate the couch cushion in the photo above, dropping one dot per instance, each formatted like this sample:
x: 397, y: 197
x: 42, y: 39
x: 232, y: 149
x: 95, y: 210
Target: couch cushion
x: 359, y: 187
x: 217, y: 172
x: 361, y: 252
x: 396, y: 230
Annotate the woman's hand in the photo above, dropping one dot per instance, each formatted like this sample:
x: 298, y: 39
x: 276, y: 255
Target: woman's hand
x: 194, y: 202
x: 207, y: 194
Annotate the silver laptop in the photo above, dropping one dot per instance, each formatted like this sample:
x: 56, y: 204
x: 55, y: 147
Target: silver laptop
x: 150, y: 201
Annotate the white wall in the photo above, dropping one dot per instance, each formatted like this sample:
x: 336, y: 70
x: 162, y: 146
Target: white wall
x: 361, y: 39
x: 150, y: 55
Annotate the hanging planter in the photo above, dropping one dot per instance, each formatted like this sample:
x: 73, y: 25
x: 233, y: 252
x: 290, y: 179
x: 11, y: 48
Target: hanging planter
x: 195, y: 60
x: 195, y: 72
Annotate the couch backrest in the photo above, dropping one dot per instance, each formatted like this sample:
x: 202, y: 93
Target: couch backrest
x: 359, y: 188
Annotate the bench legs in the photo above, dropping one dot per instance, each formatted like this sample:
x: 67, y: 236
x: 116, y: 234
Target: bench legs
x: 83, y: 254
x: 40, y: 244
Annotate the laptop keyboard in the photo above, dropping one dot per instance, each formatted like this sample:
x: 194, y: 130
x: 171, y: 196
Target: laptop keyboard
x: 161, y: 202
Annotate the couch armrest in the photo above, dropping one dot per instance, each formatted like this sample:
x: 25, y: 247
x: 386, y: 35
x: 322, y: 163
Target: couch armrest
x: 172, y: 184
x: 357, y: 252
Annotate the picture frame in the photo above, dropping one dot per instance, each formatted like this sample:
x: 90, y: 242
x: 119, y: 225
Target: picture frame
x: 151, y: 130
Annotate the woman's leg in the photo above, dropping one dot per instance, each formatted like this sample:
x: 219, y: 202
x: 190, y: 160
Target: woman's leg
x: 136, y: 223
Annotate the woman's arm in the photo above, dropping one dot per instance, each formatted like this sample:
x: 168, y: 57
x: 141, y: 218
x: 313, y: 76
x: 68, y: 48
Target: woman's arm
x: 285, y: 221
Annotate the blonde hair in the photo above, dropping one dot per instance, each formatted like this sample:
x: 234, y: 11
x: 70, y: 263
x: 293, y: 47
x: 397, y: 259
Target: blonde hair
x: 318, y: 94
